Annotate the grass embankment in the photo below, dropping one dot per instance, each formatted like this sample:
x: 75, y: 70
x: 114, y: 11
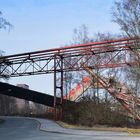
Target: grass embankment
x: 101, y: 128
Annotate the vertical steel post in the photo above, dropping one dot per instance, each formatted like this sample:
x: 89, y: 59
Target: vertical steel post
x: 61, y: 88
x: 55, y: 113
x: 58, y: 66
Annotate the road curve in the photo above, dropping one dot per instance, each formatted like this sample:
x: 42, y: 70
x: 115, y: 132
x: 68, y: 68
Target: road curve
x: 29, y: 129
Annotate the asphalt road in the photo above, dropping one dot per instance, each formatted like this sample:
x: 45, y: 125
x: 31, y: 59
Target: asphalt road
x: 28, y: 129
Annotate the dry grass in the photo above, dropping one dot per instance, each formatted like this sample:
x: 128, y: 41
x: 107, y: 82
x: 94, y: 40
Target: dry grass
x: 100, y: 128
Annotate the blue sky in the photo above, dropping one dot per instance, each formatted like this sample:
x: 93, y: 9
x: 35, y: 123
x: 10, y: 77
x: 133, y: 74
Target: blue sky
x: 43, y: 24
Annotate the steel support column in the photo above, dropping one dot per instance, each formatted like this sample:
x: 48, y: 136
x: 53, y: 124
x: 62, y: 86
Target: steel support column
x: 58, y: 86
x: 55, y: 114
x: 61, y: 88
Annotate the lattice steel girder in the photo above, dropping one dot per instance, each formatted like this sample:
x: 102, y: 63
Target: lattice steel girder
x: 105, y: 54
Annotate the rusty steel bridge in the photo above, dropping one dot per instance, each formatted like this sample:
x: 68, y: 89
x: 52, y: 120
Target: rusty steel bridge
x: 96, y: 55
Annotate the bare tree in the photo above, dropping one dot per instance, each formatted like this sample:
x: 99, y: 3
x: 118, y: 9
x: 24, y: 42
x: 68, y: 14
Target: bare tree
x: 4, y: 24
x: 5, y: 102
x: 126, y: 13
x: 80, y: 35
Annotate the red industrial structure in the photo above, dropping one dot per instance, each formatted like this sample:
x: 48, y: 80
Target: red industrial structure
x: 95, y: 55
x: 128, y: 99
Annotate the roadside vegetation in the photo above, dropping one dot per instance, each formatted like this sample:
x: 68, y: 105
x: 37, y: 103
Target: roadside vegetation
x: 90, y: 111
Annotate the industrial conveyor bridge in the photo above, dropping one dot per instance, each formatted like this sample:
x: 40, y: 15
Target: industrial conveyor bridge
x: 94, y: 55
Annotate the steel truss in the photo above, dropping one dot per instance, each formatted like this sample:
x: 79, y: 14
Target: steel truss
x: 105, y: 54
